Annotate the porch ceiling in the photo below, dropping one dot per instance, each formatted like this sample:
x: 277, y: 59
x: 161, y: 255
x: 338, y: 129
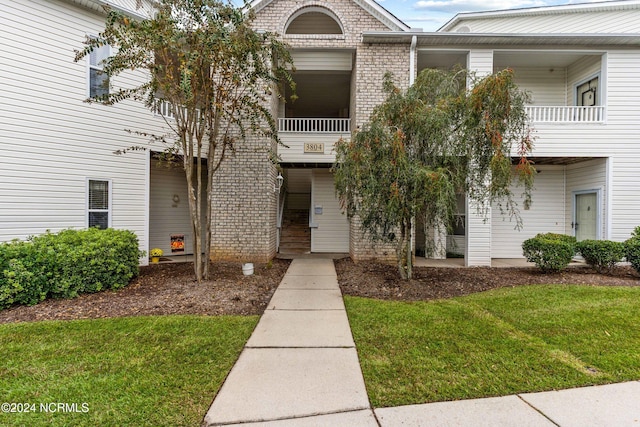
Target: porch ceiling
x: 539, y: 161
x: 305, y: 165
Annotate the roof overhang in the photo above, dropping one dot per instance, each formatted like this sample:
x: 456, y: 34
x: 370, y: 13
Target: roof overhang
x: 374, y: 9
x: 544, y: 10
x: 487, y: 39
x: 128, y: 7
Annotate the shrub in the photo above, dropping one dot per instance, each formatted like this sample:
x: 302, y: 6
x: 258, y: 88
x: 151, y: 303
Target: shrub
x: 632, y: 249
x: 602, y: 255
x: 551, y: 252
x: 21, y: 275
x: 65, y: 264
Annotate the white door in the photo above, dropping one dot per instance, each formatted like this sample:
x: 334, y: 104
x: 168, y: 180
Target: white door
x: 585, y: 223
x: 330, y: 232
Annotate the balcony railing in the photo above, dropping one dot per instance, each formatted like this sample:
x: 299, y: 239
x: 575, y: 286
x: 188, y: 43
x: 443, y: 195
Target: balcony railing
x: 564, y: 114
x: 314, y: 125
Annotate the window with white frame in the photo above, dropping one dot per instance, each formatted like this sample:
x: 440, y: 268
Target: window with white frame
x: 99, y: 203
x: 98, y: 79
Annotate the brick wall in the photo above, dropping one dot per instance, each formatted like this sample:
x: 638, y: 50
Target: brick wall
x: 243, y: 222
x: 244, y: 204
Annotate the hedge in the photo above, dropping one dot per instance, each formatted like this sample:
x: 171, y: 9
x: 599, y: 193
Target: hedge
x: 551, y: 252
x: 66, y: 264
x: 602, y: 255
x: 632, y: 249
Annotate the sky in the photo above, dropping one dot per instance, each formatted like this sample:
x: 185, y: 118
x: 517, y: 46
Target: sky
x: 432, y: 14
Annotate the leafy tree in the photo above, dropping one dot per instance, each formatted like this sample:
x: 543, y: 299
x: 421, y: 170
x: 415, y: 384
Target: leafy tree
x: 424, y: 145
x: 217, y: 73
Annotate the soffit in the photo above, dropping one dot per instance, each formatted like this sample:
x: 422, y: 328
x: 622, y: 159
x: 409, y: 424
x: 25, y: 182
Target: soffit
x: 129, y: 7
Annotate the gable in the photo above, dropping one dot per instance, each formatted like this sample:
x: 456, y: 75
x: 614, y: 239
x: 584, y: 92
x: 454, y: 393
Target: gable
x: 365, y: 7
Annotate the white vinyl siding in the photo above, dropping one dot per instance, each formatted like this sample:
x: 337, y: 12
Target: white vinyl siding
x: 333, y: 60
x: 331, y: 233
x: 480, y: 61
x: 546, y: 214
x: 587, y: 22
x: 169, y: 208
x: 477, y: 246
x: 52, y: 140
x: 546, y: 86
x: 294, y: 150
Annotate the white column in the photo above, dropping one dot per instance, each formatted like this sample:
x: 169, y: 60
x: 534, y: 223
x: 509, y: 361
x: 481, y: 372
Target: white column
x: 477, y: 250
x: 436, y: 242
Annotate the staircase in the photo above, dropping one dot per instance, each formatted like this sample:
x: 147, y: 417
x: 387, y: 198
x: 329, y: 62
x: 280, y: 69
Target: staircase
x: 295, y: 236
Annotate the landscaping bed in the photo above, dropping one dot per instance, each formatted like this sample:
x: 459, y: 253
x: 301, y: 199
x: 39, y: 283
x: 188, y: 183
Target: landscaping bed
x: 381, y: 281
x: 164, y: 289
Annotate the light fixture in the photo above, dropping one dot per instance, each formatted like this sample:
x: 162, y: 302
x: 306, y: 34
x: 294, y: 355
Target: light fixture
x: 278, y: 185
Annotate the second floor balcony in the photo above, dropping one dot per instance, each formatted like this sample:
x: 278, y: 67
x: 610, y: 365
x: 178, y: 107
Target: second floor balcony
x: 566, y: 114
x: 311, y: 140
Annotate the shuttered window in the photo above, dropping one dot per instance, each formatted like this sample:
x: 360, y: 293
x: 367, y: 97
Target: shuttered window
x: 99, y: 204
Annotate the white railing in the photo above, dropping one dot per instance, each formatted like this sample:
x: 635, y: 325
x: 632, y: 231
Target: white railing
x: 563, y: 114
x: 314, y: 125
x: 163, y: 108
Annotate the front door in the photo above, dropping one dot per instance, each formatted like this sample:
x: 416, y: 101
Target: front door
x: 585, y: 223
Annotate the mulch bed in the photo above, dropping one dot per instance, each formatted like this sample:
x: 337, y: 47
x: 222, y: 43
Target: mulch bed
x: 167, y: 289
x: 377, y: 280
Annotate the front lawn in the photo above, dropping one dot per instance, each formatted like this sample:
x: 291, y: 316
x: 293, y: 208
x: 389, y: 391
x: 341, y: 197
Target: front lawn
x: 505, y: 341
x: 141, y: 371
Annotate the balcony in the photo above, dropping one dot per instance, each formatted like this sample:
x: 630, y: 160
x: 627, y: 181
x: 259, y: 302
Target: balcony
x: 311, y: 140
x: 566, y: 114
x: 316, y: 125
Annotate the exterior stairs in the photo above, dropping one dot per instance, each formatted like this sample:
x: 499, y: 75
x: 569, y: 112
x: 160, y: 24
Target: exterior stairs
x: 295, y: 235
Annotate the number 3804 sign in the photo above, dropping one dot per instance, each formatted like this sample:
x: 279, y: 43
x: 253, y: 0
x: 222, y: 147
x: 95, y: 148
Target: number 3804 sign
x: 313, y: 147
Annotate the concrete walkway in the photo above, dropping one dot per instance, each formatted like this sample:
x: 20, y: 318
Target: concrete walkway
x: 300, y: 368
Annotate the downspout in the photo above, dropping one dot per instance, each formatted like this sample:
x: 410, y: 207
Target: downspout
x: 412, y: 79
x: 412, y: 60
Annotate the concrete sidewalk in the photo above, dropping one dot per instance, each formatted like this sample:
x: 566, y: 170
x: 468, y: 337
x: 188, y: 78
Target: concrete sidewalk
x: 300, y: 368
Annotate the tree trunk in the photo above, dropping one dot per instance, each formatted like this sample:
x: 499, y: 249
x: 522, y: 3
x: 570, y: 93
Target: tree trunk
x: 404, y: 252
x: 195, y: 218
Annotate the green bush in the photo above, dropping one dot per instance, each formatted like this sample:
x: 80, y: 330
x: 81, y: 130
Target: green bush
x: 551, y: 252
x: 21, y: 275
x: 66, y: 264
x: 632, y: 249
x: 602, y: 255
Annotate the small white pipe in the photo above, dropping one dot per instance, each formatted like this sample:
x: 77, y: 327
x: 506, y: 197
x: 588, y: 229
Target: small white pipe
x: 412, y: 60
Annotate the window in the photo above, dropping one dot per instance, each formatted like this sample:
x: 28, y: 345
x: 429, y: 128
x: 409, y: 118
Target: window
x: 99, y: 204
x: 314, y: 20
x: 459, y: 218
x: 98, y: 79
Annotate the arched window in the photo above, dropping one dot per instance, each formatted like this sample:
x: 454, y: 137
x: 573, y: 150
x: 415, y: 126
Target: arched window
x: 314, y: 20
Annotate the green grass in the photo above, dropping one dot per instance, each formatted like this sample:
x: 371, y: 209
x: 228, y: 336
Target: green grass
x: 139, y: 371
x: 522, y: 339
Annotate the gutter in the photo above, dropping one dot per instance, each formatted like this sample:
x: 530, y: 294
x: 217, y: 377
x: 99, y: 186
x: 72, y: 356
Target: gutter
x: 508, y: 39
